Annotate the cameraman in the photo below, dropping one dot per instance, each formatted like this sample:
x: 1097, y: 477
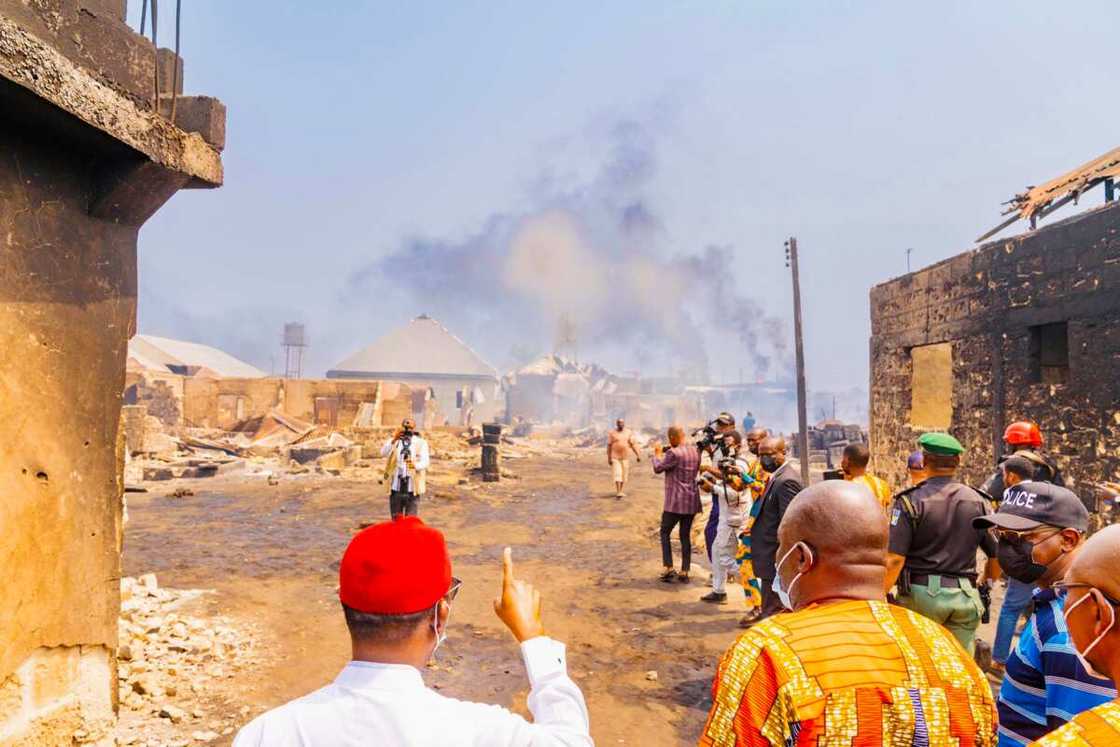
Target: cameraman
x: 408, y: 464
x: 710, y: 441
x: 729, y: 494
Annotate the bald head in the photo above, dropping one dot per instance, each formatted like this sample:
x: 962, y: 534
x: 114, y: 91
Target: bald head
x: 1094, y: 597
x: 676, y: 435
x: 1097, y: 562
x: 754, y: 438
x: 841, y: 519
x: 836, y: 535
x: 772, y: 445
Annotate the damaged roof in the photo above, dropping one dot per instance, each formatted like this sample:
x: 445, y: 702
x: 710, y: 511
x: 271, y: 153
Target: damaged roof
x: 1038, y: 202
x: 423, y: 347
x: 162, y: 353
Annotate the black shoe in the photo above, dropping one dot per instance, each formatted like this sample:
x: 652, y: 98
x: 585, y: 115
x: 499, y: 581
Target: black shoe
x: 714, y: 597
x: 750, y: 618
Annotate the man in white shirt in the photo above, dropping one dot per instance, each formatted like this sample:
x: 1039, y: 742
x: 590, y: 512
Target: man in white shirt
x: 733, y: 498
x: 408, y: 464
x: 396, y: 589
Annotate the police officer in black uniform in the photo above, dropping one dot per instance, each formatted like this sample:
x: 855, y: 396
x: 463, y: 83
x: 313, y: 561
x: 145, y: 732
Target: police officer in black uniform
x: 932, y: 549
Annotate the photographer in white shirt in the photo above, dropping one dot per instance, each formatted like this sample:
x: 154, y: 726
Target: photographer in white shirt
x: 408, y: 465
x: 730, y: 493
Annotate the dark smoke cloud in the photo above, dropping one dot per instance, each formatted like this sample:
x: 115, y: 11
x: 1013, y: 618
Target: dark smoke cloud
x: 594, y: 251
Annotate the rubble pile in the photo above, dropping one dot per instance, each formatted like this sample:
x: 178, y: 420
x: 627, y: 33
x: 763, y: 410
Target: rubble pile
x: 171, y: 667
x: 277, y: 446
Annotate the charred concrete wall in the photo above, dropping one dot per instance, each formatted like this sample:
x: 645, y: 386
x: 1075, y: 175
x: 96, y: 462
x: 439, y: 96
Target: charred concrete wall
x: 160, y: 393
x: 222, y: 403
x: 1024, y: 328
x: 83, y: 163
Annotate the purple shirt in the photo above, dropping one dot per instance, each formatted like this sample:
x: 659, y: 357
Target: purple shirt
x: 680, y: 465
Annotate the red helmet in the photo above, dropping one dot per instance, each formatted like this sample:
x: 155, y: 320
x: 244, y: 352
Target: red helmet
x: 1023, y: 433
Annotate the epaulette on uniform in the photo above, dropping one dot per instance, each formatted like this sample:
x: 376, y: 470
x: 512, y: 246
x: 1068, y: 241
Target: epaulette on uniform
x: 903, y: 497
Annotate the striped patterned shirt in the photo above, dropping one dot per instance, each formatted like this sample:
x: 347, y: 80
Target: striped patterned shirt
x: 680, y: 465
x: 849, y: 673
x: 1045, y: 684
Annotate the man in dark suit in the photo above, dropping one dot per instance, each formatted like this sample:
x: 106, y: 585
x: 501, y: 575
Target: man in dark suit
x: 784, y: 485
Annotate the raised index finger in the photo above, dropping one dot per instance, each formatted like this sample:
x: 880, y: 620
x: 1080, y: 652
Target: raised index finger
x: 507, y: 568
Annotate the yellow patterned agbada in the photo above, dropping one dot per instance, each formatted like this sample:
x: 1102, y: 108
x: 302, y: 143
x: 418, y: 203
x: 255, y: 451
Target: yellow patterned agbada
x: 853, y: 673
x: 1097, y: 727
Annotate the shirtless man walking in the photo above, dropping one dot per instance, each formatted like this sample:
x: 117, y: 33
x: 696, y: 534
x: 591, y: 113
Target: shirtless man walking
x: 620, y: 440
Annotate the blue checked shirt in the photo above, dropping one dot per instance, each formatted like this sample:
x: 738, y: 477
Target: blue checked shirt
x: 1045, y: 684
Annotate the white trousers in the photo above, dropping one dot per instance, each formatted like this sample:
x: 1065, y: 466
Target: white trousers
x: 723, y: 555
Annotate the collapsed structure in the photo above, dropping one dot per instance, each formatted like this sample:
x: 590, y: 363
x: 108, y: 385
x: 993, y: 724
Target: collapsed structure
x: 90, y: 152
x: 187, y: 384
x: 1023, y: 328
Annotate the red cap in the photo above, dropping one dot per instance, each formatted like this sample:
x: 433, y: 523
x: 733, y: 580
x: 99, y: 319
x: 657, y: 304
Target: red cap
x: 1023, y: 433
x: 395, y: 568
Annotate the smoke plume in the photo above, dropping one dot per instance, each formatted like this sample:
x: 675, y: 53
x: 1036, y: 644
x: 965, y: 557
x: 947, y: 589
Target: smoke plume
x: 594, y: 252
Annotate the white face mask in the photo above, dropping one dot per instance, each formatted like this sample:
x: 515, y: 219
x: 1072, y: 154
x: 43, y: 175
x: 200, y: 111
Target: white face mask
x: 776, y: 586
x: 1083, y: 655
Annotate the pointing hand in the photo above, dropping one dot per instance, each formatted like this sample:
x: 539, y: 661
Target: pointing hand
x: 519, y: 605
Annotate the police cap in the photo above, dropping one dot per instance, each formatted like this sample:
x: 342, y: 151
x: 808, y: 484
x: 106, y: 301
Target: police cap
x: 1032, y: 504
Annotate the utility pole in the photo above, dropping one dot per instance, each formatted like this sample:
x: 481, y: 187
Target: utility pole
x: 802, y: 419
x: 908, y: 253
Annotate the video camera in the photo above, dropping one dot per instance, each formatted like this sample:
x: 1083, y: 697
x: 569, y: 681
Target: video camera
x: 707, y: 436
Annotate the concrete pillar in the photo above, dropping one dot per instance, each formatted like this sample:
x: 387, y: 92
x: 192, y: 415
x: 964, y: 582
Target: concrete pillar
x: 82, y: 166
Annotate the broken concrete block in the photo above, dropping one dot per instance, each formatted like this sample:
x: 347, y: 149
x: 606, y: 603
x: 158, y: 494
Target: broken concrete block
x: 205, y: 115
x: 173, y: 713
x: 335, y: 460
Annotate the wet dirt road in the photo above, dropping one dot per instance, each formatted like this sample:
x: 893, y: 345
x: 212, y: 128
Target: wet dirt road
x: 271, y: 555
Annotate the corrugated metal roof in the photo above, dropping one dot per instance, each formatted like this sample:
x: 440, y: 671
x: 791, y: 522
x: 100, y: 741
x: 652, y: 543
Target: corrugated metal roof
x: 1038, y: 202
x: 162, y: 352
x: 421, y: 347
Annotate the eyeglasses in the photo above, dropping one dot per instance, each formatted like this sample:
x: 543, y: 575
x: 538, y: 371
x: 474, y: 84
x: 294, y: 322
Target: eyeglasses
x: 1018, y: 535
x: 456, y: 585
x: 1061, y: 588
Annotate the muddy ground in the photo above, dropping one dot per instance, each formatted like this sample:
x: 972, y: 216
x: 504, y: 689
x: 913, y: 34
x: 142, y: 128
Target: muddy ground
x: 270, y: 553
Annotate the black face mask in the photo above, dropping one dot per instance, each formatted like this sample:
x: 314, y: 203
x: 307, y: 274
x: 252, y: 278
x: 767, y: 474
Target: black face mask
x: 769, y: 462
x: 1015, y: 559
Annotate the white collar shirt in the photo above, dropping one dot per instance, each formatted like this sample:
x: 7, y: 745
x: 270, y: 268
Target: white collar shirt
x: 421, y: 458
x: 388, y: 705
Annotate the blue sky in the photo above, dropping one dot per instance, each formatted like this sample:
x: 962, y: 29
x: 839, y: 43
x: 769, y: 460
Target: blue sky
x: 357, y: 130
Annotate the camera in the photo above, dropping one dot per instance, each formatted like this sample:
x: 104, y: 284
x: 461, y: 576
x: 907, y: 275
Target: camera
x: 707, y: 436
x: 406, y: 443
x: 729, y: 467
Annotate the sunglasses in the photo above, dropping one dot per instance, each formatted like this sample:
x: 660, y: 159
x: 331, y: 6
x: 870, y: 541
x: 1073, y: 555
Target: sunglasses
x: 456, y: 585
x: 1061, y: 588
x: 1018, y: 535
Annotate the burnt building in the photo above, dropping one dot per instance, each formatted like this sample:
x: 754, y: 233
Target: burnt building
x: 94, y: 138
x: 1022, y: 328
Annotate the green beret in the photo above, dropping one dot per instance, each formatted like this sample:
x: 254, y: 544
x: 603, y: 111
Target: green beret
x: 940, y: 443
